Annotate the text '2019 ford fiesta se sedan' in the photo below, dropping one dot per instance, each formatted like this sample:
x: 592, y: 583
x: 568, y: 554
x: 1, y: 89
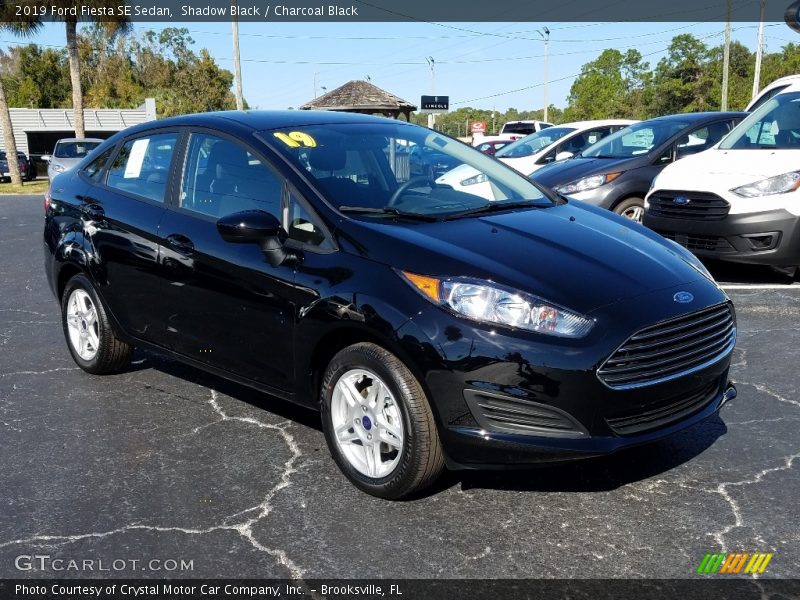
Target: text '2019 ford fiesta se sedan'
x: 294, y: 252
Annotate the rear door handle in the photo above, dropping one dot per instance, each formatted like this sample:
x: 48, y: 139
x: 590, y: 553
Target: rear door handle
x: 180, y: 243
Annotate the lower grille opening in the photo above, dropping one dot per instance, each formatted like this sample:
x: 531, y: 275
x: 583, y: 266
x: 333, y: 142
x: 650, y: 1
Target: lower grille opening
x: 663, y: 413
x: 498, y: 412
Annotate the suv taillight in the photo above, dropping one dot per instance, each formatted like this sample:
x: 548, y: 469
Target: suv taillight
x: 47, y: 199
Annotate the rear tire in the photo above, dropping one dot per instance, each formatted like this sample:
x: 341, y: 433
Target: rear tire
x: 378, y: 423
x: 631, y: 208
x: 89, y: 335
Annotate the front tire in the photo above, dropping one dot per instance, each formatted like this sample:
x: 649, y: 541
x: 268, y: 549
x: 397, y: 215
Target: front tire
x: 631, y: 208
x: 378, y: 423
x: 90, y: 338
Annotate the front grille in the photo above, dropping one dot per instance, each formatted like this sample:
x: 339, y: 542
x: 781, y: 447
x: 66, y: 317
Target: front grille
x: 498, y: 412
x: 663, y: 413
x: 697, y: 205
x: 671, y: 349
x: 705, y: 243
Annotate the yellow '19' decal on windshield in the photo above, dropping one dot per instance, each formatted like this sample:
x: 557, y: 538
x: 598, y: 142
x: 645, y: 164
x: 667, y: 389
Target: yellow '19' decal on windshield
x: 295, y: 139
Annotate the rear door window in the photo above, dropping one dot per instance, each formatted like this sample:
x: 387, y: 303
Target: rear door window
x: 142, y: 166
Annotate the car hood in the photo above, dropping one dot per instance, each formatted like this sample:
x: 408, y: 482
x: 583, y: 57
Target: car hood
x: 719, y: 170
x: 67, y: 163
x: 567, y: 171
x: 573, y: 254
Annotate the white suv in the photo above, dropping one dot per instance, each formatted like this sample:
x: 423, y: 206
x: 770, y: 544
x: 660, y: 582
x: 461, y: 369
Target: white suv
x: 740, y: 200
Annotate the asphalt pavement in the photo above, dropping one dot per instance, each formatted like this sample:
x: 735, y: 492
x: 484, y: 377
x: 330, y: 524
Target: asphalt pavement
x: 168, y: 463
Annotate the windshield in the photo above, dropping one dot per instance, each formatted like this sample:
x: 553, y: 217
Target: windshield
x: 636, y: 139
x: 774, y: 126
x: 531, y: 144
x: 76, y: 149
x: 366, y: 166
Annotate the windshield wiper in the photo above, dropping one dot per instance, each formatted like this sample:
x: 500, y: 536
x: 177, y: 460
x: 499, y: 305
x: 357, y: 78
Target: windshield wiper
x: 387, y: 210
x: 495, y: 207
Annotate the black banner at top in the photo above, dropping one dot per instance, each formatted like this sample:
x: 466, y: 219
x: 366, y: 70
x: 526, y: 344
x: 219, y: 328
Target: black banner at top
x: 269, y: 11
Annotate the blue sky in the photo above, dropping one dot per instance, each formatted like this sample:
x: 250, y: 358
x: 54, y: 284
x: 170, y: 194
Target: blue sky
x: 476, y: 64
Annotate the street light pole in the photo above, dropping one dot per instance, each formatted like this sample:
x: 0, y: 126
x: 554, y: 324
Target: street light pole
x: 759, y: 49
x: 432, y: 65
x: 237, y: 63
x: 545, y: 33
x: 726, y: 59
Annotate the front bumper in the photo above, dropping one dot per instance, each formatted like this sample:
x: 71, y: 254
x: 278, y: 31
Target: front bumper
x: 552, y: 386
x: 765, y: 238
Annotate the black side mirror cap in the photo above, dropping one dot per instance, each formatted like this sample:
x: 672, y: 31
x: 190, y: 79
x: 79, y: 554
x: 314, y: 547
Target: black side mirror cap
x: 258, y: 227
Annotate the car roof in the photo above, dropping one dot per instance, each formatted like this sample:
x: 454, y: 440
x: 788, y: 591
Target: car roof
x: 80, y: 140
x: 698, y: 116
x: 597, y: 123
x: 272, y: 119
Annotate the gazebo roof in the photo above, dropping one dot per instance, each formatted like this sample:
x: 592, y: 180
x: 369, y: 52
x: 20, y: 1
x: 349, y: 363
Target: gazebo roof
x: 360, y: 96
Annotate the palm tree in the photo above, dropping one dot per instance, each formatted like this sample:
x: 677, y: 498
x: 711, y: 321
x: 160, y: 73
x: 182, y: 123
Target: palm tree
x: 115, y: 25
x: 22, y: 28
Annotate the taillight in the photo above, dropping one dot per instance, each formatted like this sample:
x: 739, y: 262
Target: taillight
x: 47, y: 199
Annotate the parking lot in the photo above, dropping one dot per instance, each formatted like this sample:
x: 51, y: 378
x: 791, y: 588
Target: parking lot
x: 166, y: 462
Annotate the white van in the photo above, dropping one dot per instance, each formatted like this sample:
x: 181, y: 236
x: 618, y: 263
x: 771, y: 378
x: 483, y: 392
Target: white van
x: 771, y: 90
x: 740, y: 200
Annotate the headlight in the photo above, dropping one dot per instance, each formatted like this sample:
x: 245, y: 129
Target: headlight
x: 587, y: 183
x: 489, y: 303
x: 479, y: 178
x: 780, y: 184
x: 58, y: 168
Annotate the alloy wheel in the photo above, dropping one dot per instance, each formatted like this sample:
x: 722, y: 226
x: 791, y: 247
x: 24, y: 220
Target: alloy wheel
x: 82, y: 324
x: 367, y: 423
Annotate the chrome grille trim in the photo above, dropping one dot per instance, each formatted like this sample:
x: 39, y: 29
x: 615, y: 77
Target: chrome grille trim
x: 671, y: 349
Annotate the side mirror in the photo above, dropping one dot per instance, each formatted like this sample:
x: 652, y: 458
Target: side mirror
x: 564, y: 155
x: 257, y: 227
x: 46, y: 158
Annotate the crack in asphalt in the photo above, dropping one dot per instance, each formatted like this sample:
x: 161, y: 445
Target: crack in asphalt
x: 40, y: 372
x: 722, y: 489
x: 243, y: 528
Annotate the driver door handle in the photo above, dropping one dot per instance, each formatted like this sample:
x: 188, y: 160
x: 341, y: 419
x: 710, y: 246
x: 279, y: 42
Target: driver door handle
x: 180, y: 243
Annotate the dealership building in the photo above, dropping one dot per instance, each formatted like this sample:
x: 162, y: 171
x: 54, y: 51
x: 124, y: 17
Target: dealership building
x: 36, y: 130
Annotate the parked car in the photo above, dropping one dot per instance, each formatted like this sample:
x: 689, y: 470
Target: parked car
x: 492, y: 147
x: 532, y: 152
x: 429, y: 162
x: 557, y: 143
x: 617, y: 172
x: 771, y: 90
x: 285, y: 254
x: 68, y: 153
x: 507, y: 138
x: 739, y: 201
x: 523, y: 127
x: 26, y: 167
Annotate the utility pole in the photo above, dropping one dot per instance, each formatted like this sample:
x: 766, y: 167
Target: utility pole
x: 545, y: 33
x: 432, y: 65
x: 726, y: 59
x: 237, y: 63
x: 759, y: 50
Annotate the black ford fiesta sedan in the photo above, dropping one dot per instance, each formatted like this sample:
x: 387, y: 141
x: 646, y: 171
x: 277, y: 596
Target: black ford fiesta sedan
x: 294, y: 252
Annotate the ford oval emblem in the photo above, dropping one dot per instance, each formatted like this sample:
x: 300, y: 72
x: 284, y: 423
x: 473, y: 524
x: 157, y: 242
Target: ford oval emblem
x: 683, y: 297
x: 680, y: 200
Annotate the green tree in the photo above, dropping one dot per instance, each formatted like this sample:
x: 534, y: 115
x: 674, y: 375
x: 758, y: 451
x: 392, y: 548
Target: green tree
x: 115, y: 25
x: 600, y: 90
x: 676, y: 78
x: 21, y: 28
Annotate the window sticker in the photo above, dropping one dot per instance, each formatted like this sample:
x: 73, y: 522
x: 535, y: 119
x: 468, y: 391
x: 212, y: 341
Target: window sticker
x: 133, y: 168
x: 295, y: 139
